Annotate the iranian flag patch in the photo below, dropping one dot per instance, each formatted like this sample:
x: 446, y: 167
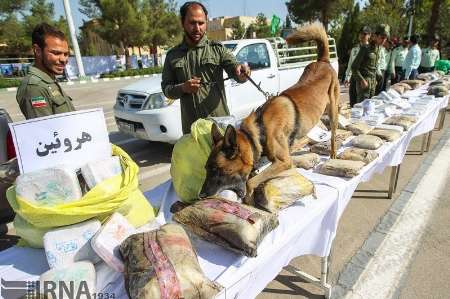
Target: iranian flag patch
x: 38, y: 102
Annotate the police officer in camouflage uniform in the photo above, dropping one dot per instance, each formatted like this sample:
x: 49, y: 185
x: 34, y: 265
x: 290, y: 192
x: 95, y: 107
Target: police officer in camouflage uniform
x: 365, y: 65
x: 193, y: 70
x: 39, y: 94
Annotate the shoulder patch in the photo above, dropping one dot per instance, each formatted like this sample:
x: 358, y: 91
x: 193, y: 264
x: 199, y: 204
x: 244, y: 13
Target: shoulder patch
x: 38, y: 102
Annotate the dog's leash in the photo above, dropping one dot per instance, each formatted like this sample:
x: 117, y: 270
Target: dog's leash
x: 258, y: 86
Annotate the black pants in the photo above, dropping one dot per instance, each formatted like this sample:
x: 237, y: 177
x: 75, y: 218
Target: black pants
x: 399, y: 74
x: 423, y: 69
x: 352, y: 91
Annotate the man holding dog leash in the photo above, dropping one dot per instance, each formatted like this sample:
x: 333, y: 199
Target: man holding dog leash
x: 193, y: 70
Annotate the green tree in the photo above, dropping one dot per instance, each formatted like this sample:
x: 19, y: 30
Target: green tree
x: 120, y: 22
x: 13, y: 36
x: 164, y: 26
x: 301, y: 11
x: 41, y: 11
x: 391, y: 12
x: 8, y: 7
x: 262, y: 26
x: 349, y: 36
x: 238, y: 29
x: 288, y: 23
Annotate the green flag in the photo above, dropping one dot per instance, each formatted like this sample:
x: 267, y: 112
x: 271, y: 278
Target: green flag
x: 274, y: 24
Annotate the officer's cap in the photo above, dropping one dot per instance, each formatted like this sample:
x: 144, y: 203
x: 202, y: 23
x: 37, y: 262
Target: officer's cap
x: 365, y: 30
x: 383, y: 29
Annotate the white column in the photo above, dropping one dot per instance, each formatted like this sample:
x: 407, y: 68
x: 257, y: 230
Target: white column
x: 73, y: 38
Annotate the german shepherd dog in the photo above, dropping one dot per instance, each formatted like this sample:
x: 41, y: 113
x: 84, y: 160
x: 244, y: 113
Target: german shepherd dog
x: 276, y: 127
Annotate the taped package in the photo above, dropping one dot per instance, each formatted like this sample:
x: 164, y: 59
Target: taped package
x: 98, y: 171
x: 341, y: 168
x: 324, y: 148
x: 163, y: 264
x: 57, y: 283
x: 359, y: 128
x: 108, y: 239
x: 306, y: 160
x: 386, y: 134
x: 49, y: 187
x: 282, y: 191
x: 229, y: 224
x: 404, y: 121
x: 70, y: 244
x: 367, y: 142
x: 358, y: 154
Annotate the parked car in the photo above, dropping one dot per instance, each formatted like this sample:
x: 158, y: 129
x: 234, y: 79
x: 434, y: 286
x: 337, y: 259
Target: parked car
x: 142, y: 110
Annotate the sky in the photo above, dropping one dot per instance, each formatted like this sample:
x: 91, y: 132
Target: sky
x: 216, y: 8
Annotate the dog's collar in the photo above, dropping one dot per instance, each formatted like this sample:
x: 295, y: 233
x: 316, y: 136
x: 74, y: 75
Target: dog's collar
x: 256, y: 154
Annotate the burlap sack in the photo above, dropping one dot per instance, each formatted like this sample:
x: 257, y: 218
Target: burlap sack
x: 367, y: 142
x: 404, y: 121
x: 406, y: 86
x: 282, y: 191
x: 306, y: 160
x: 341, y: 168
x: 358, y: 154
x: 229, y: 224
x: 386, y: 134
x: 413, y: 83
x: 324, y: 148
x: 163, y: 264
x: 359, y: 128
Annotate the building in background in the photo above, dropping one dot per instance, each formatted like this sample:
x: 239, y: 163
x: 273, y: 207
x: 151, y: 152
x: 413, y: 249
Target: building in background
x: 220, y: 28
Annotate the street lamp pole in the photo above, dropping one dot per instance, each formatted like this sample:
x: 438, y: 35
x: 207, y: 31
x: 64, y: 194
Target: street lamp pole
x: 73, y: 38
x: 411, y: 17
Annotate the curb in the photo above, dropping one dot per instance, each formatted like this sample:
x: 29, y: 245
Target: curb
x: 91, y: 81
x: 351, y: 272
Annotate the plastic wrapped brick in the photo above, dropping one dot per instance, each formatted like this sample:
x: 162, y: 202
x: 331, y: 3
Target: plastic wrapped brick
x: 404, y: 121
x: 282, y: 191
x: 341, y: 168
x: 56, y: 283
x: 385, y: 134
x: 97, y: 171
x: 359, y: 128
x: 324, y: 148
x: 306, y: 160
x: 49, y: 187
x: 163, y: 264
x: 358, y: 154
x: 107, y: 240
x: 229, y: 224
x: 70, y: 244
x: 367, y: 142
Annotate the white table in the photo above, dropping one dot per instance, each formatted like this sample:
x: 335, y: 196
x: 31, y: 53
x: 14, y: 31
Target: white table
x: 307, y: 227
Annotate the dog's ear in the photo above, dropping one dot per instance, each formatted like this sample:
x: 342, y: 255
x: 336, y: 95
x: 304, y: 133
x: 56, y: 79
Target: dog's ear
x: 230, y: 142
x: 215, y: 133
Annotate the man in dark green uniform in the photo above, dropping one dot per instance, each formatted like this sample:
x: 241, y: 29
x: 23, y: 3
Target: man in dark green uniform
x: 193, y: 70
x: 364, y: 66
x: 39, y: 94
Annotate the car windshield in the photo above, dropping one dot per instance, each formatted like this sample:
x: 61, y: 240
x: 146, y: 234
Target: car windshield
x: 230, y: 46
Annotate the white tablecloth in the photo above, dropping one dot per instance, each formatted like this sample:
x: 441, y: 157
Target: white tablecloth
x: 308, y: 227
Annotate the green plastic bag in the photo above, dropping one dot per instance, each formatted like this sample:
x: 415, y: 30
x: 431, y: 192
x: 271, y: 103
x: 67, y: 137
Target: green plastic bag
x: 442, y: 65
x: 189, y: 157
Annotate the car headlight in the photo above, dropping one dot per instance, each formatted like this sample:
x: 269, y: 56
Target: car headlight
x: 156, y: 101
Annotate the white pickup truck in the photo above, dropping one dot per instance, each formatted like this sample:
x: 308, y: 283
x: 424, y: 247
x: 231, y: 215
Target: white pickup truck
x: 143, y: 111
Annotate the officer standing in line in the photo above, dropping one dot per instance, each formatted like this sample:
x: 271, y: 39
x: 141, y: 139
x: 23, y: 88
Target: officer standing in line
x: 429, y: 56
x: 39, y: 93
x: 398, y: 56
x: 412, y: 59
x: 364, y: 68
x: 364, y: 36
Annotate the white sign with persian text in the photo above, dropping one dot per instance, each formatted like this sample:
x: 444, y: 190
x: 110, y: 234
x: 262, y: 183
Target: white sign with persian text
x: 72, y: 139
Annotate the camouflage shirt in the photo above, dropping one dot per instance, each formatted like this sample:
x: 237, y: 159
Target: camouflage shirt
x: 206, y: 60
x: 40, y: 95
